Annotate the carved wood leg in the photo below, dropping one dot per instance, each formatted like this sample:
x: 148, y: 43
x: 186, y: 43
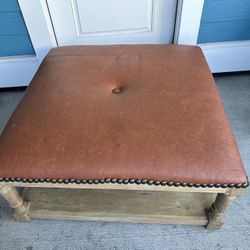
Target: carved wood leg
x: 216, y: 213
x: 15, y: 201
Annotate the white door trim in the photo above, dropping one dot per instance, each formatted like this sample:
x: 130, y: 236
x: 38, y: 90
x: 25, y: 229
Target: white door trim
x: 19, y: 70
x: 221, y: 56
x: 38, y: 23
x: 188, y: 19
x: 227, y: 56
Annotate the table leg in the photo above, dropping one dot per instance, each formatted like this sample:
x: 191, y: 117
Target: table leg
x: 216, y: 213
x: 15, y: 201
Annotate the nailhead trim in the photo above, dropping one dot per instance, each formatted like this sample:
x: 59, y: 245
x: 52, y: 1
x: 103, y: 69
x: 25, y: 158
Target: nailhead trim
x: 138, y: 182
x: 113, y: 180
x: 150, y: 182
x: 131, y: 181
x: 107, y: 180
x: 157, y: 183
x: 127, y: 181
x: 245, y: 185
x: 119, y: 181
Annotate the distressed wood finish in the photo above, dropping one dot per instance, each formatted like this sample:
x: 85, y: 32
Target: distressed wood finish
x: 216, y: 212
x: 115, y: 186
x: 118, y: 202
x: 119, y: 205
x: 15, y: 201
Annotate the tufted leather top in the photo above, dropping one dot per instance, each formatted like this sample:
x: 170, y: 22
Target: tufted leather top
x: 147, y: 112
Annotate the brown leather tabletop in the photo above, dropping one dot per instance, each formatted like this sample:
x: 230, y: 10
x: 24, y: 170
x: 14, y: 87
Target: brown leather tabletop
x: 140, y: 112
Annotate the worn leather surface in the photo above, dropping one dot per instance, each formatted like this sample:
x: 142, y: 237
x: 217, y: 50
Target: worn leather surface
x: 167, y: 122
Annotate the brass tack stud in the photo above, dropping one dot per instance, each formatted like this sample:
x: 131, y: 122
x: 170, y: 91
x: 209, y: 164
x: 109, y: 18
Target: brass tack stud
x: 125, y: 182
x: 113, y: 180
x: 150, y: 182
x: 137, y: 181
x: 157, y: 183
x: 131, y: 181
x: 107, y: 180
x: 246, y: 184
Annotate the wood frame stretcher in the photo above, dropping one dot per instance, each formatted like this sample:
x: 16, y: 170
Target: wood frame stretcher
x: 119, y: 202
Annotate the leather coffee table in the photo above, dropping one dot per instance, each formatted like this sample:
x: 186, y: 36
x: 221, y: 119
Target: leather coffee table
x: 102, y: 127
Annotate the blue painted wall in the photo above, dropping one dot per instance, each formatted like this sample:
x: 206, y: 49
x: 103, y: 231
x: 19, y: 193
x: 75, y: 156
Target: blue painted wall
x: 14, y: 37
x: 225, y: 20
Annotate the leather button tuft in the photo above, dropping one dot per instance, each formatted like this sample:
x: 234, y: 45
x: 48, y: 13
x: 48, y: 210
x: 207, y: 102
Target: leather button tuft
x: 116, y: 90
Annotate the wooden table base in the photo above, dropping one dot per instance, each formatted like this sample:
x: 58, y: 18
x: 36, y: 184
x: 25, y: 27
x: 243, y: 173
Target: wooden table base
x: 119, y: 205
x: 140, y: 206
